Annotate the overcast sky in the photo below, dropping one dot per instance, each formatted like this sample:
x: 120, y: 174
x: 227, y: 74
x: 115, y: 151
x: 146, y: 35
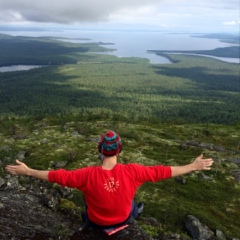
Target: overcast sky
x: 164, y: 15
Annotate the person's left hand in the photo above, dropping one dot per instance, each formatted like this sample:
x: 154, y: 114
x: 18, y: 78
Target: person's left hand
x: 201, y: 163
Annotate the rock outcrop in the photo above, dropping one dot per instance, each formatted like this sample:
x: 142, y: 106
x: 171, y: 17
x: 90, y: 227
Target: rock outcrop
x: 30, y: 210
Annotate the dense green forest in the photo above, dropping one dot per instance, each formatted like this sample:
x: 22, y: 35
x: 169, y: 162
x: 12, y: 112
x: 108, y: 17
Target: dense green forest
x: 41, y: 51
x: 74, y: 80
x: 165, y: 114
x: 231, y: 52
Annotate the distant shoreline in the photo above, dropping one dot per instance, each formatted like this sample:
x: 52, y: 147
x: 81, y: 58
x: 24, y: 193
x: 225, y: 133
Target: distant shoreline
x: 142, y: 44
x: 229, y: 54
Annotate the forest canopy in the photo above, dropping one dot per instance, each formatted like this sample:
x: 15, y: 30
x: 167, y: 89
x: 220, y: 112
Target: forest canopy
x: 75, y: 80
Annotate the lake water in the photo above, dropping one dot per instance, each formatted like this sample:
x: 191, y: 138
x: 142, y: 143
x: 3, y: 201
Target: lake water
x: 18, y: 68
x: 136, y: 43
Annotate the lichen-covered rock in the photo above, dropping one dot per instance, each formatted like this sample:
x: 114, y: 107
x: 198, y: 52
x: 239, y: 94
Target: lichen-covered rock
x: 23, y: 216
x: 219, y: 235
x: 21, y: 155
x: 236, y: 175
x: 38, y: 210
x: 133, y: 232
x: 205, y: 177
x: 204, y: 145
x: 12, y: 183
x: 35, y: 214
x: 181, y: 180
x: 59, y: 164
x: 234, y: 160
x: 196, y: 229
x: 2, y: 182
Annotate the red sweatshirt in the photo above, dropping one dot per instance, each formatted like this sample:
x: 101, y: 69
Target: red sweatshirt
x: 109, y: 193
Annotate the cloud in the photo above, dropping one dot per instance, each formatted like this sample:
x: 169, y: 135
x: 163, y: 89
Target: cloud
x: 62, y: 11
x: 232, y: 23
x: 185, y: 14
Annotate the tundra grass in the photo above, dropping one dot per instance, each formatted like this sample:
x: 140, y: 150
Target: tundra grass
x: 216, y: 202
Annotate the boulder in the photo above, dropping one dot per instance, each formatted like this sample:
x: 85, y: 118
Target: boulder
x: 180, y: 180
x: 219, y: 235
x: 196, y: 229
x: 59, y: 164
x: 205, y: 177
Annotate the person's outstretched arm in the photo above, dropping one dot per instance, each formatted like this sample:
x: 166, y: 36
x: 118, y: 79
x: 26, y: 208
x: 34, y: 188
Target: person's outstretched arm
x: 198, y: 164
x: 22, y: 169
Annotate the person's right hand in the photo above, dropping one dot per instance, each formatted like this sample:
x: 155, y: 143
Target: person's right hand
x: 19, y: 169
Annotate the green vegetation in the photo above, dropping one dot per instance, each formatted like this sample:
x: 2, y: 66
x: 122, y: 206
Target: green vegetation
x: 73, y: 139
x: 41, y: 51
x: 192, y: 90
x: 57, y: 112
x: 66, y: 205
x: 228, y: 52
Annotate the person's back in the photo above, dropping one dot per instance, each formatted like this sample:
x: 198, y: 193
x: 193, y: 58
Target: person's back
x: 109, y: 193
